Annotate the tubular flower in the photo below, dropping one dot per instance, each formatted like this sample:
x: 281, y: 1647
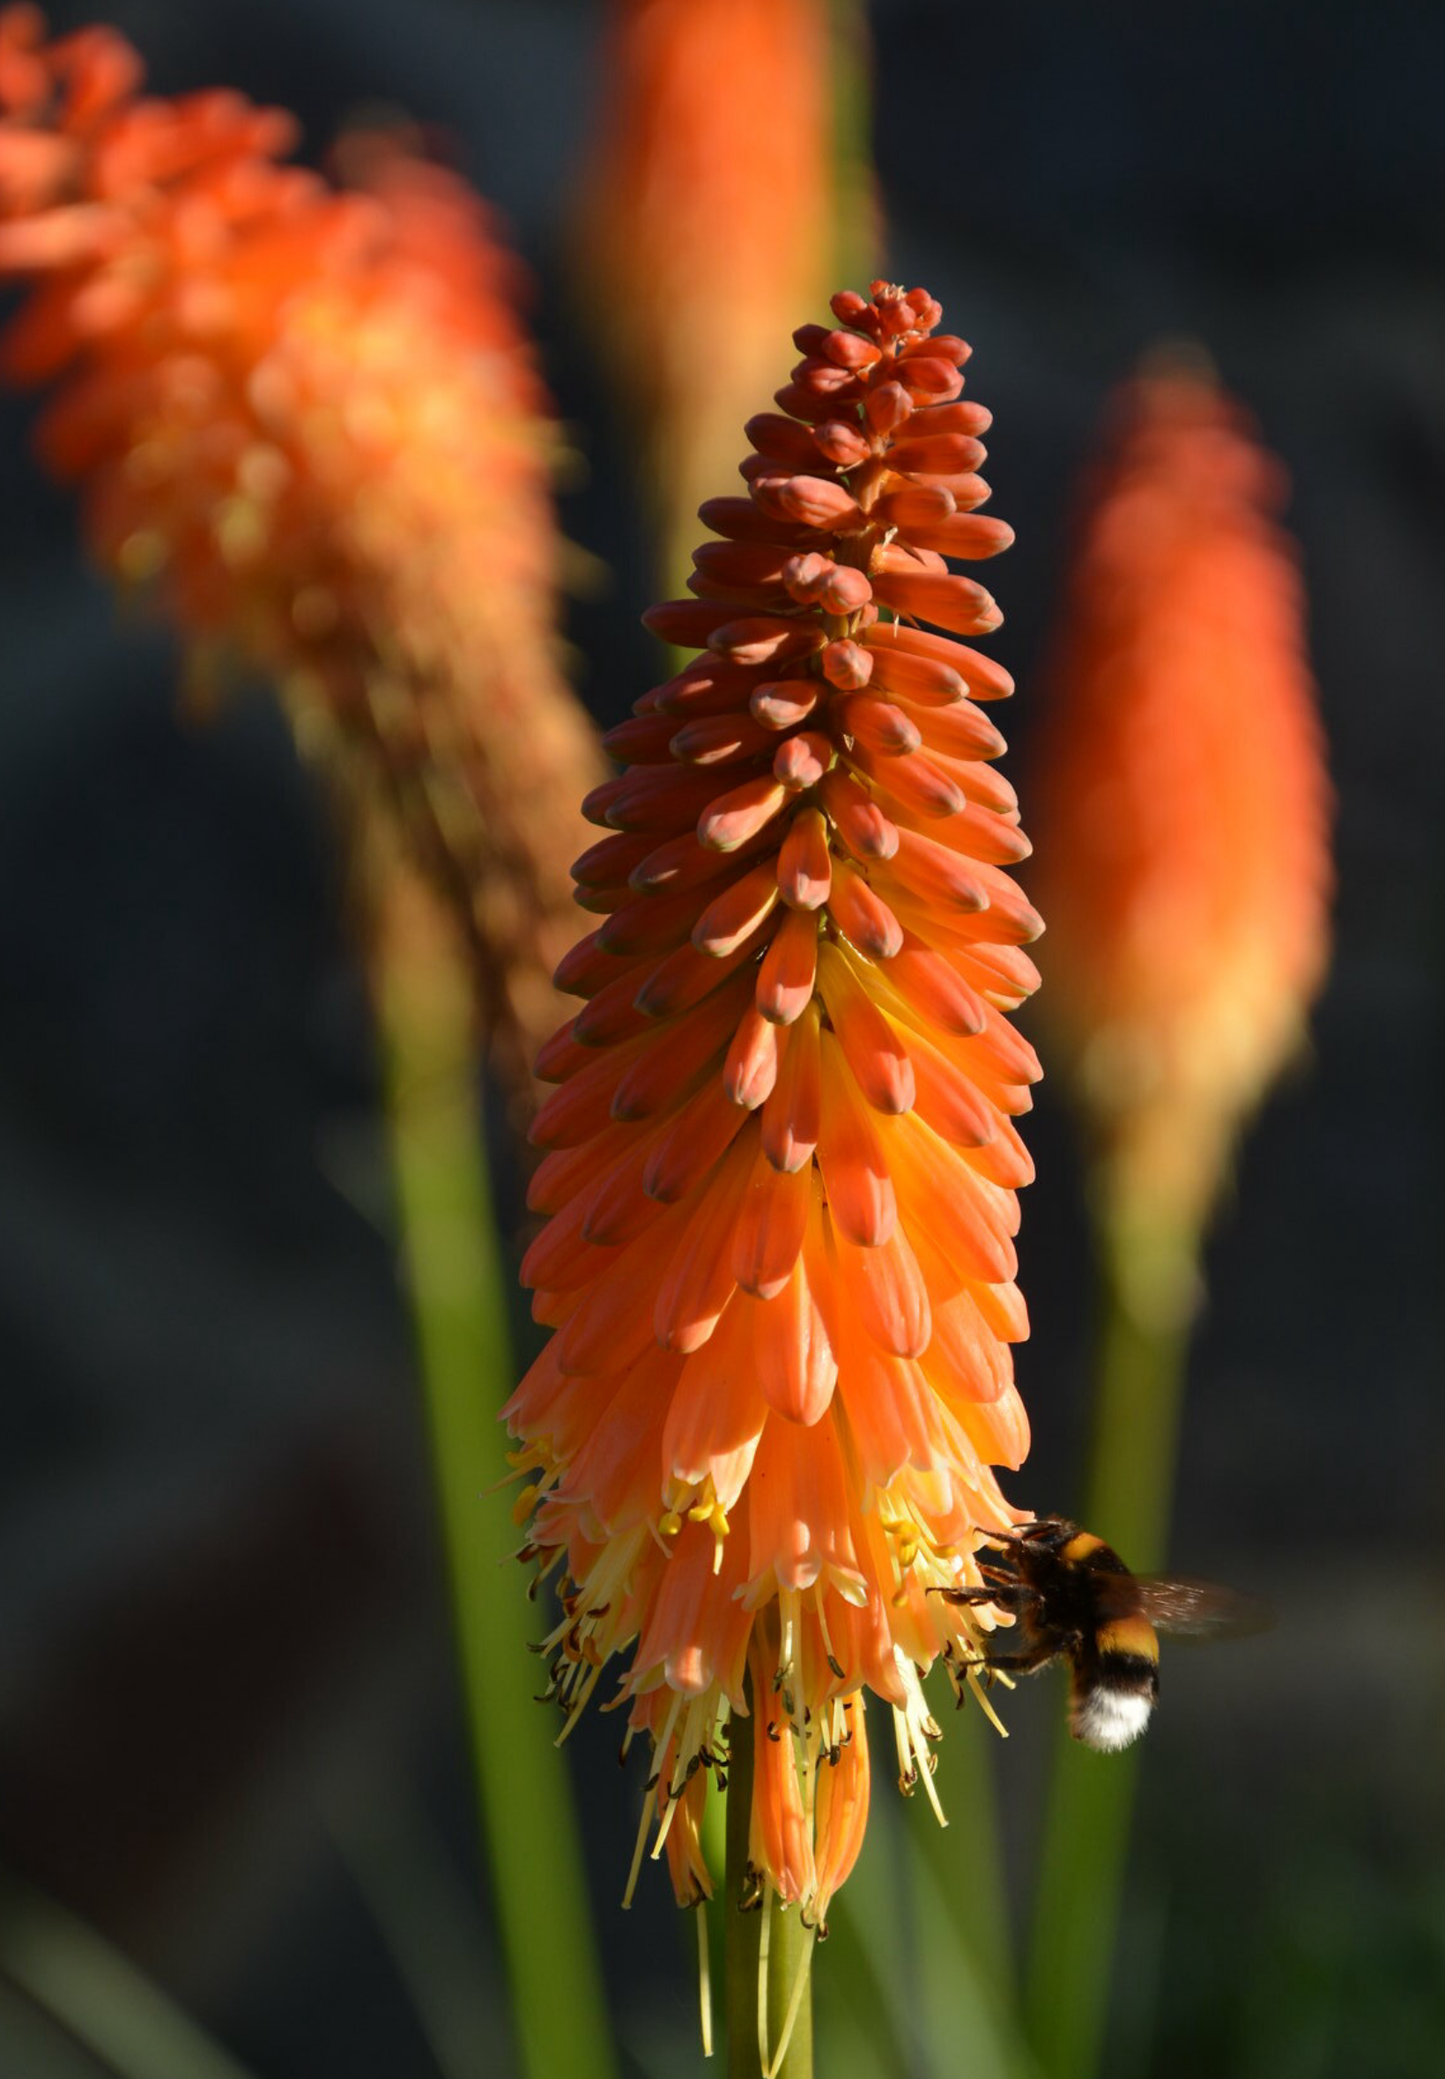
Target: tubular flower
x: 781, y: 1161
x: 310, y: 422
x: 1185, y: 804
x: 682, y: 245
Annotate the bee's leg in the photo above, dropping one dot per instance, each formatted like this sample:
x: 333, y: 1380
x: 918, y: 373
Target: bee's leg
x: 1021, y: 1663
x: 1004, y: 1595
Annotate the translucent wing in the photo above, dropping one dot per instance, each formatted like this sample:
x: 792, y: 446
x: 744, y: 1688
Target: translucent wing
x: 1200, y: 1608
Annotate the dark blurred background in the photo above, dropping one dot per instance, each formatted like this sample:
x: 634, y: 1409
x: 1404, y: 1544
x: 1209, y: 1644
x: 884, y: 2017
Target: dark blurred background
x: 228, y: 1714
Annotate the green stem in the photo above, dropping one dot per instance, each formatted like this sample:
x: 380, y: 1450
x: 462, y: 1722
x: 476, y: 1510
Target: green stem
x: 528, y: 1822
x: 758, y: 1998
x: 966, y: 1859
x: 1140, y: 1391
x: 965, y: 1956
x: 99, y: 1997
x: 854, y: 257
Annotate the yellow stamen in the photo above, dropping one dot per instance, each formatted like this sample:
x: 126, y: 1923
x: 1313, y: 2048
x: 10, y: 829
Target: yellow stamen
x: 704, y: 1980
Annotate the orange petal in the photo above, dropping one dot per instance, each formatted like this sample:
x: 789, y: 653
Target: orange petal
x: 737, y: 912
x: 973, y: 536
x: 982, y: 677
x: 804, y: 864
x: 798, y: 1516
x: 751, y: 1068
x: 968, y: 1219
x: 663, y: 1072
x: 860, y: 823
x: 937, y: 877
x: 651, y: 924
x: 887, y: 1290
x: 791, y: 1114
x: 779, y: 1835
x: 966, y: 1359
x: 913, y: 782
x: 783, y: 703
x: 862, y: 914
x: 770, y: 1226
x: 961, y: 730
x: 559, y: 1176
x: 875, y: 1052
x: 1004, y: 1160
x: 851, y: 1155
x: 698, y: 1281
x: 789, y: 971
x: 686, y: 1857
x: 612, y: 1014
x: 938, y: 454
x: 1004, y: 1309
x: 697, y: 1629
x: 764, y: 640
x: 610, y: 860
x: 717, y: 1411
x: 610, y: 1327
x: 932, y: 985
x: 687, y: 1149
x: 582, y: 1106
x: 797, y: 1367
x: 840, y: 1810
x: 686, y: 976
x: 732, y: 818
x: 947, y: 1098
x: 999, y: 1430
x: 681, y: 862
x: 878, y: 726
x: 619, y: 1466
x: 617, y: 1208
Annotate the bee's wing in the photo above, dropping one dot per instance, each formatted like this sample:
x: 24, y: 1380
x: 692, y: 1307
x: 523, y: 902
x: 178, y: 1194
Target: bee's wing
x: 1200, y: 1608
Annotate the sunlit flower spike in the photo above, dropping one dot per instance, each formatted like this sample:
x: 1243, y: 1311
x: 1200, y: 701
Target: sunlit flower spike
x: 1182, y: 791
x: 309, y: 423
x: 781, y: 1163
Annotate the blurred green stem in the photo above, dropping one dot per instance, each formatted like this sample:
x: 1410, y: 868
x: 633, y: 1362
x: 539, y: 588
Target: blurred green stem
x: 758, y: 1996
x: 98, y: 1996
x: 1143, y: 1352
x: 965, y: 1964
x: 966, y: 1858
x: 530, y: 1839
x: 854, y: 257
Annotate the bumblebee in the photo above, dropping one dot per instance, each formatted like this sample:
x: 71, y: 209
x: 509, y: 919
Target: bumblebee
x: 1073, y: 1598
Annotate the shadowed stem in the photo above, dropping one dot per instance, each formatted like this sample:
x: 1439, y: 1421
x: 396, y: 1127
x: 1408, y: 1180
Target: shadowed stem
x: 530, y: 1843
x: 1140, y: 1390
x: 758, y: 1999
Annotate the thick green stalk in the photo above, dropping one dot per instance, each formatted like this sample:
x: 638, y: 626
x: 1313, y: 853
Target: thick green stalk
x: 966, y: 1857
x: 1143, y: 1352
x: 529, y: 1828
x: 759, y: 1996
x: 965, y: 1955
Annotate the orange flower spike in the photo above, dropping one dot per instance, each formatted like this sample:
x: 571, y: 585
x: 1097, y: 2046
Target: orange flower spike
x: 1184, y: 792
x: 802, y: 1369
x: 309, y: 421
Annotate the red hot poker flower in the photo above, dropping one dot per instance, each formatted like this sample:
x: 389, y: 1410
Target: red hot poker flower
x: 311, y: 423
x: 1183, y: 793
x: 781, y: 1162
